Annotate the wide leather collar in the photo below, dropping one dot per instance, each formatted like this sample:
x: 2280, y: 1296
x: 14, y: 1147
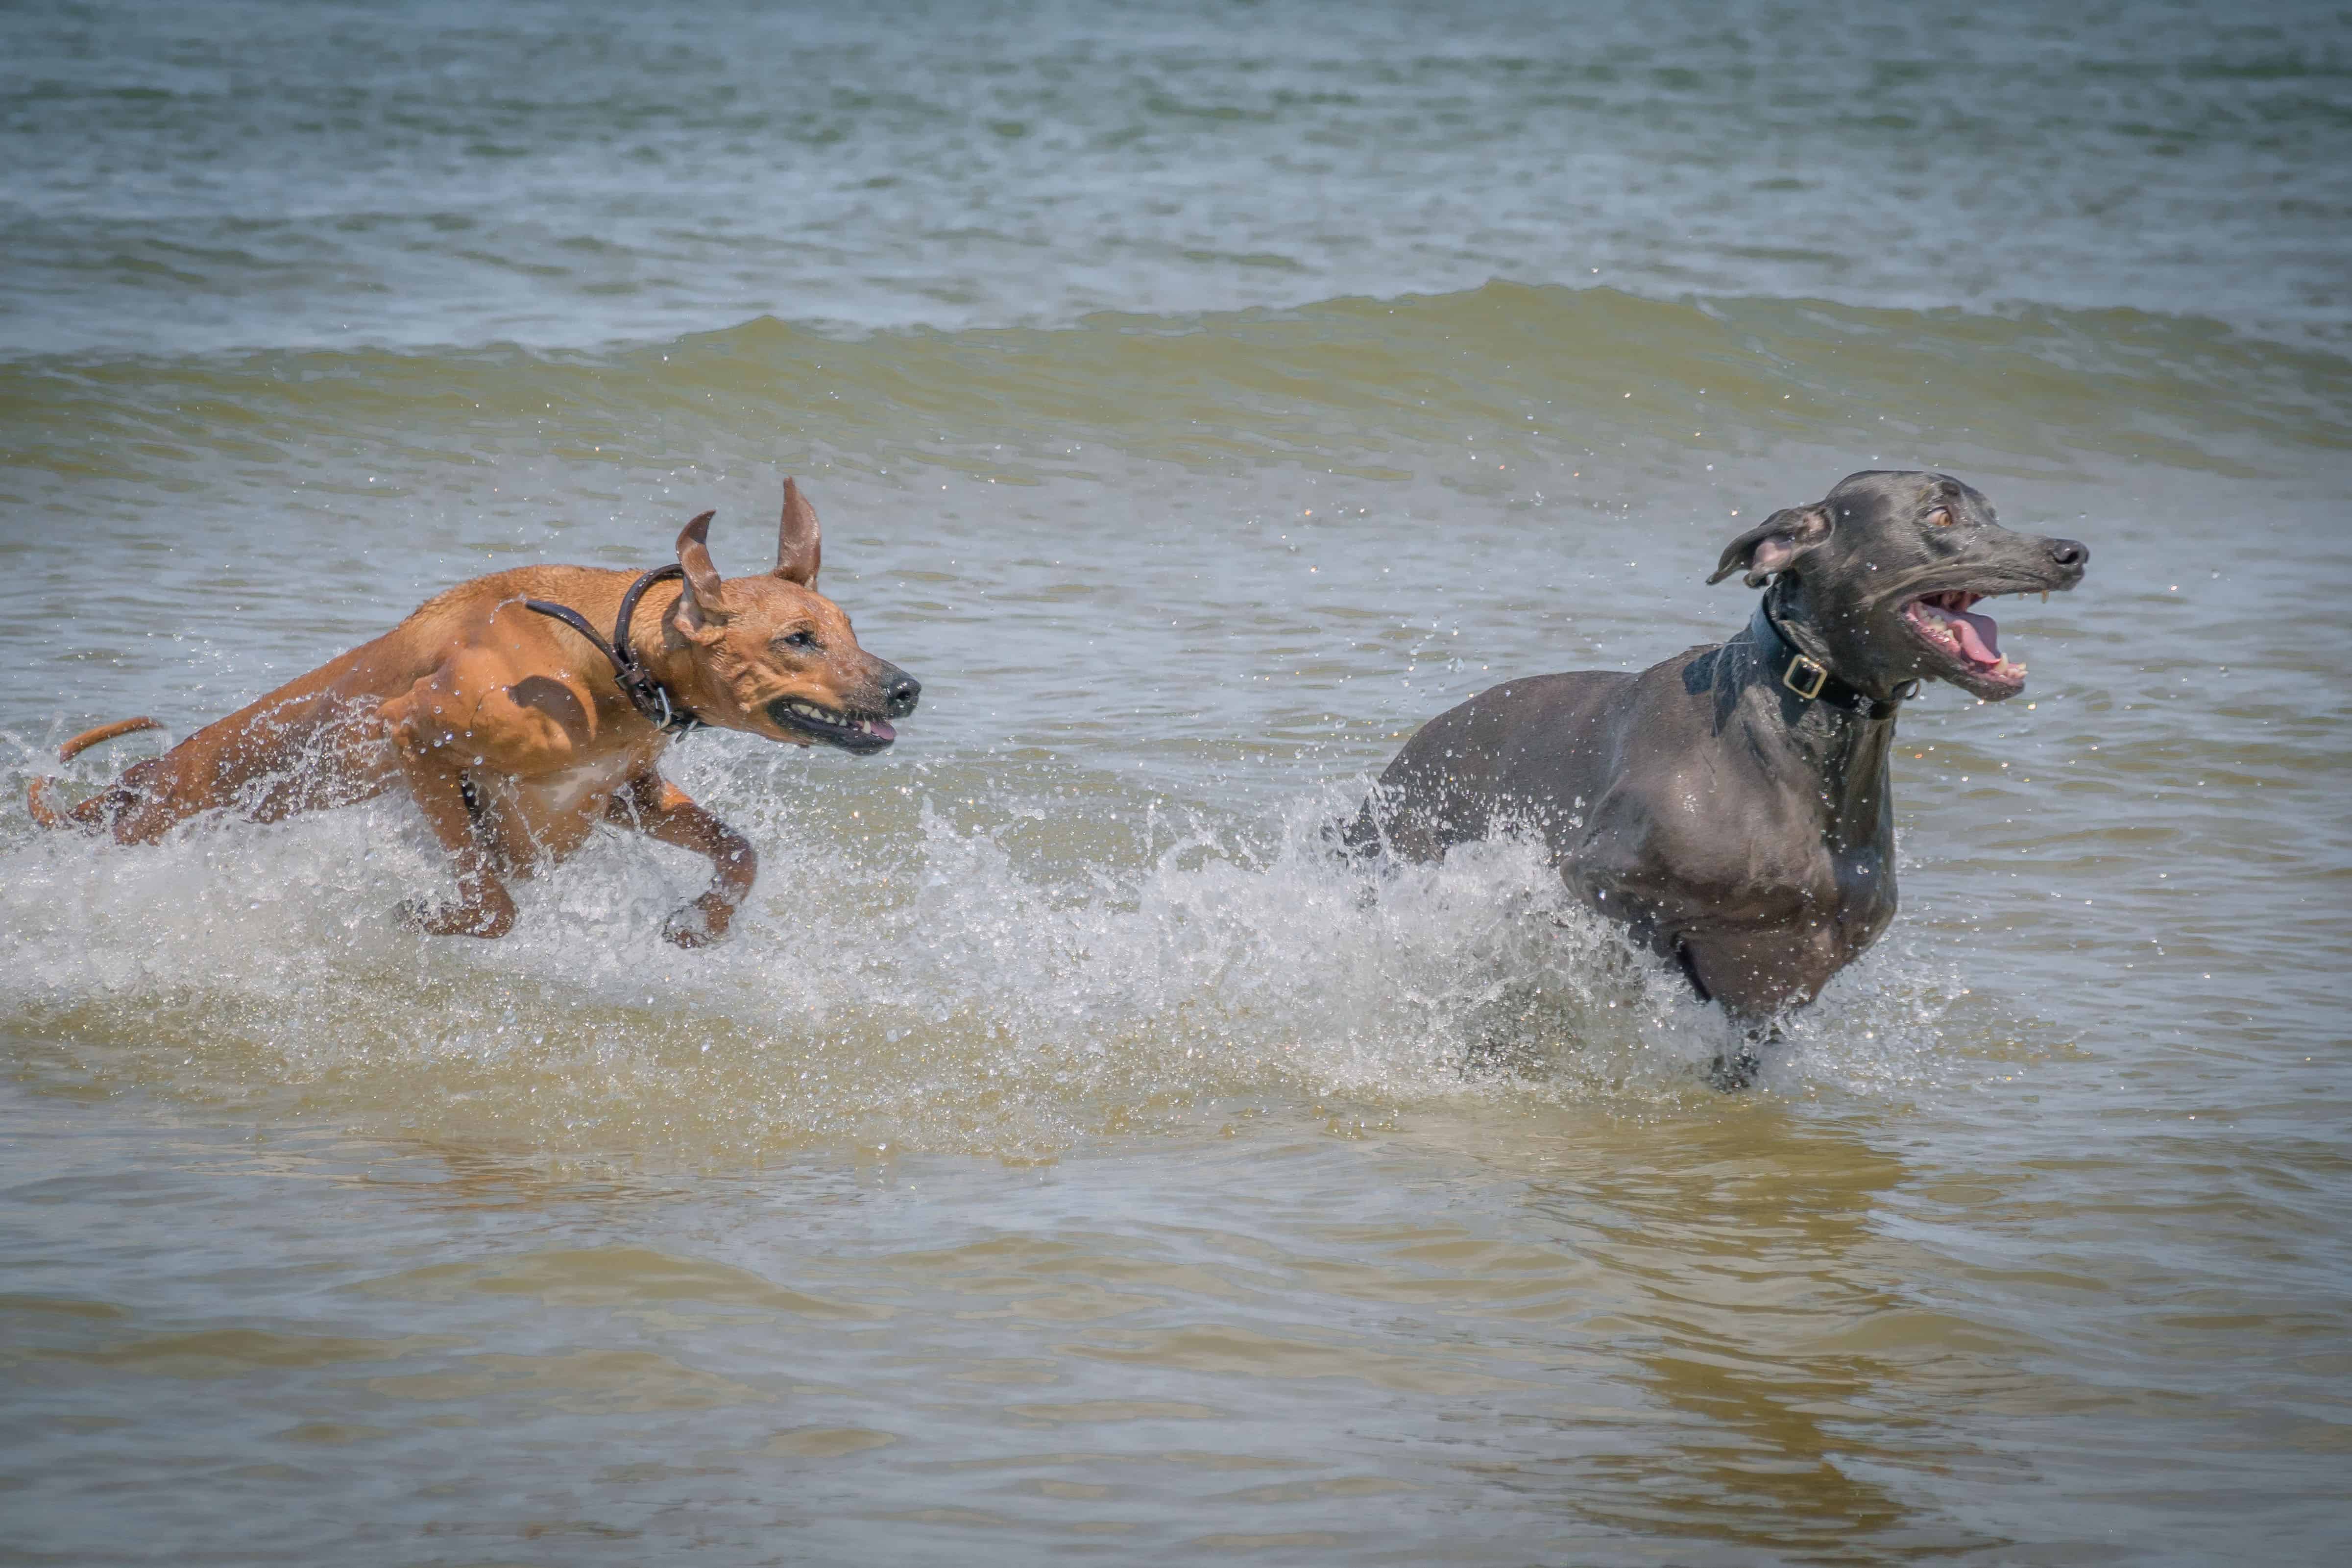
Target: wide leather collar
x: 639, y: 684
x: 1794, y: 669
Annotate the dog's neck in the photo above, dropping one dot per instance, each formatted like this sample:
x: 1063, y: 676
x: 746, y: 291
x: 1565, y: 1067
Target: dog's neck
x: 662, y: 649
x: 653, y: 645
x: 1842, y: 754
x: 1792, y: 609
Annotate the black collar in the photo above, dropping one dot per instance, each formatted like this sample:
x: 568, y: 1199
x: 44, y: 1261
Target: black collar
x: 640, y: 685
x: 1798, y: 672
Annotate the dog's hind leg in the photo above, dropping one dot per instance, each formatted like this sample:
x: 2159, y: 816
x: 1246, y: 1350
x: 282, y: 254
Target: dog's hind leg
x: 659, y: 809
x: 1358, y: 839
x: 101, y: 810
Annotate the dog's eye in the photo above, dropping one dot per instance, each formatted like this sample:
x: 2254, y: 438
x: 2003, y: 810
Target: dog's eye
x: 1941, y: 517
x: 802, y: 640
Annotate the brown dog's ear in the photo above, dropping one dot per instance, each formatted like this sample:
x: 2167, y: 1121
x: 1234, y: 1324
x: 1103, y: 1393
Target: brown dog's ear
x: 1774, y: 544
x: 798, y: 547
x: 705, y: 599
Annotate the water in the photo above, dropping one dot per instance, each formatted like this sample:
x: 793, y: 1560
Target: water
x: 1065, y: 1159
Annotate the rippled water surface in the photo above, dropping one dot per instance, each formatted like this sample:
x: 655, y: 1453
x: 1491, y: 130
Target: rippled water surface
x: 1066, y: 1159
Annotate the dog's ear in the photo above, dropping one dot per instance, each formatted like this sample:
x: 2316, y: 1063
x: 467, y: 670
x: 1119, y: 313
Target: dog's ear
x: 798, y: 547
x: 705, y: 599
x: 1774, y: 544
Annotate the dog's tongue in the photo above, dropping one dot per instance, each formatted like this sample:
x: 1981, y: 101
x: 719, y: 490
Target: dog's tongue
x: 1979, y: 638
x: 879, y: 728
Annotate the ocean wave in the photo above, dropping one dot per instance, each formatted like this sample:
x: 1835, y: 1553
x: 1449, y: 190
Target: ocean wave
x: 1357, y: 385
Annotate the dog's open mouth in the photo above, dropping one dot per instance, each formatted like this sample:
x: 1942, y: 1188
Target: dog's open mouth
x: 851, y: 732
x: 1969, y: 644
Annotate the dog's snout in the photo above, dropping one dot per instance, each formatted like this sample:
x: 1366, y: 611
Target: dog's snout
x: 899, y: 693
x: 2072, y: 554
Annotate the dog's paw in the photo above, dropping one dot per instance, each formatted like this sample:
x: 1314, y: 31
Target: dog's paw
x: 456, y: 919
x: 1735, y: 1071
x: 699, y: 925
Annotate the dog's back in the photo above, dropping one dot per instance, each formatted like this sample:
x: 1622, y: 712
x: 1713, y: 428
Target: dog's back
x: 1450, y: 783
x: 311, y: 743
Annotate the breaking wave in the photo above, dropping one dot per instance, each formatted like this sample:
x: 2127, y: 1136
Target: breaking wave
x: 1548, y: 370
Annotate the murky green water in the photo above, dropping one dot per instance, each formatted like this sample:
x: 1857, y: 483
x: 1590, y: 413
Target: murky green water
x: 1065, y: 1159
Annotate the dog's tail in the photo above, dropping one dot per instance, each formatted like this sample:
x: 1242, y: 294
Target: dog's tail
x: 36, y: 797
x: 101, y: 735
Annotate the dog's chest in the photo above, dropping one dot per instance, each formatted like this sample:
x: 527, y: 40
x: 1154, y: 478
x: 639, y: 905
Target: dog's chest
x: 1851, y: 886
x: 554, y: 813
x: 584, y: 787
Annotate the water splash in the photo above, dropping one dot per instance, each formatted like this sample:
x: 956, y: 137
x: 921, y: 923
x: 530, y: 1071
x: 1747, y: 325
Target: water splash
x: 991, y: 987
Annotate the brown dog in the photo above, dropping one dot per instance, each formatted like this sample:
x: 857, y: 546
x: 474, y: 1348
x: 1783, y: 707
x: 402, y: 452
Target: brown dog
x: 517, y: 728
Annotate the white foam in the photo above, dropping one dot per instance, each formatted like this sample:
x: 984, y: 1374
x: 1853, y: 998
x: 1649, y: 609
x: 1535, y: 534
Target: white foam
x: 986, y: 987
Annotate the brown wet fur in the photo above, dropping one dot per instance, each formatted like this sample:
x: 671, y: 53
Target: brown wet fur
x: 509, y: 731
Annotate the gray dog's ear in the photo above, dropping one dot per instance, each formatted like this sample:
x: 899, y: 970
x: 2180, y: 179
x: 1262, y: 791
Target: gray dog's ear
x: 705, y: 599
x: 798, y: 547
x: 1774, y: 544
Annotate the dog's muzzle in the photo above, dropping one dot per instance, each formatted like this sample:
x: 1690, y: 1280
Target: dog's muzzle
x: 855, y: 732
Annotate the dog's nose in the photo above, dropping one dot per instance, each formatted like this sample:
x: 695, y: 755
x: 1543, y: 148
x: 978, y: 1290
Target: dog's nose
x: 2070, y: 553
x: 899, y: 691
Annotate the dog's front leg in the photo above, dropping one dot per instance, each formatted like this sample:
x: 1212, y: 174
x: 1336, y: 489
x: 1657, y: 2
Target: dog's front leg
x: 659, y: 807
x: 483, y: 907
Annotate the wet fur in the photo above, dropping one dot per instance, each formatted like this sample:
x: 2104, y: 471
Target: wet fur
x: 1745, y: 835
x: 509, y: 731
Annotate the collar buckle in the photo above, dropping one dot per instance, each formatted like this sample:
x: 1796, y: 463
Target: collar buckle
x: 1805, y: 663
x: 1813, y: 681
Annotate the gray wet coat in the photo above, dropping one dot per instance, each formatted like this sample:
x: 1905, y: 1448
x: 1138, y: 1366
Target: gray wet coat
x: 1742, y: 830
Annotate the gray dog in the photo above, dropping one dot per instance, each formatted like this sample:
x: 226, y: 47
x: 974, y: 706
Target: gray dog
x: 1731, y: 805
